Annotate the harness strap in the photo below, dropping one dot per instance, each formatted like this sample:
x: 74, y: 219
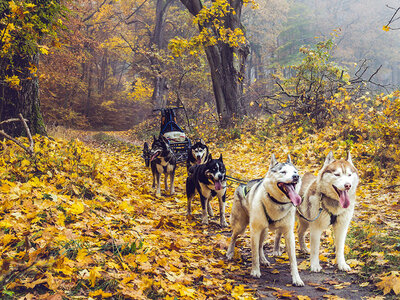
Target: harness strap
x: 310, y: 220
x: 270, y: 221
x: 332, y: 216
x: 333, y: 219
x: 246, y: 190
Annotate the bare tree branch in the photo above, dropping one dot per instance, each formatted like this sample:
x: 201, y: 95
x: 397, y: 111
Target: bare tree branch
x: 30, y: 149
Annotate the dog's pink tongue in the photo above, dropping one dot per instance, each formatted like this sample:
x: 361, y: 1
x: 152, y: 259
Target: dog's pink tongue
x: 198, y: 161
x: 344, y: 199
x: 218, y: 185
x: 293, y: 196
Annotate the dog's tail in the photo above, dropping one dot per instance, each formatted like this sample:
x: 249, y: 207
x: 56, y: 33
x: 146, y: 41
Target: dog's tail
x: 239, y: 199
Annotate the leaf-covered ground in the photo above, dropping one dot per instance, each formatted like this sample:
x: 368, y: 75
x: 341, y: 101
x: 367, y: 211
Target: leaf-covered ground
x: 81, y: 220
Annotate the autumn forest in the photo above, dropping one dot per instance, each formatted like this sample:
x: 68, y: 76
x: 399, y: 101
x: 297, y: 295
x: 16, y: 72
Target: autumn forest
x: 84, y: 87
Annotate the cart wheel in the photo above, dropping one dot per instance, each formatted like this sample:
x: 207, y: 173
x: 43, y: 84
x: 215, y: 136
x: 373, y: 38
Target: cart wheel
x: 146, y: 154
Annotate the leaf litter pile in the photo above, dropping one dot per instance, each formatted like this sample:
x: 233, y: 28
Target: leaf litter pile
x: 80, y: 221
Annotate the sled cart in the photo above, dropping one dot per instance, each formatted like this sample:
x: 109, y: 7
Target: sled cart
x: 178, y: 141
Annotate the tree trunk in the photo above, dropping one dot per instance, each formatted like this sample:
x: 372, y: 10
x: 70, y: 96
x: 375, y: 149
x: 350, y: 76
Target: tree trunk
x: 157, y: 43
x: 227, y: 66
x: 24, y: 99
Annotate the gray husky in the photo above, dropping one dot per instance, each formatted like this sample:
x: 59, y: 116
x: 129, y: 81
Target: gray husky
x: 329, y: 199
x: 162, y: 160
x: 268, y: 203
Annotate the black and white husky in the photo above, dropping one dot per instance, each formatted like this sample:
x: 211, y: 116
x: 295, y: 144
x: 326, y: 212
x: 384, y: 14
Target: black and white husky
x: 162, y: 160
x: 207, y: 179
x: 198, y: 154
x: 268, y: 203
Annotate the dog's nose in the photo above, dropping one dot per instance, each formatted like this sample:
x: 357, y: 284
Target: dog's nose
x: 347, y: 186
x: 295, y: 177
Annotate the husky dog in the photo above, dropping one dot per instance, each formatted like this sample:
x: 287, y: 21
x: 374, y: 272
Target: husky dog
x: 208, y: 180
x: 268, y: 203
x: 162, y: 160
x: 198, y: 154
x: 329, y: 199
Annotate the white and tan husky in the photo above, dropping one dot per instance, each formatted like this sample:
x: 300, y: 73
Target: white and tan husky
x: 268, y: 203
x: 328, y: 199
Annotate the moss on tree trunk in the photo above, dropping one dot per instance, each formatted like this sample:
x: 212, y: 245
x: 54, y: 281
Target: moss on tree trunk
x: 24, y: 99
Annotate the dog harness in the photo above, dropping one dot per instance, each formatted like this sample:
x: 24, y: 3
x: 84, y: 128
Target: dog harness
x: 269, y: 219
x: 333, y: 218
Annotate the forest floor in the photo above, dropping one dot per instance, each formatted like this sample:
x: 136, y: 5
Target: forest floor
x: 88, y: 224
x: 275, y: 281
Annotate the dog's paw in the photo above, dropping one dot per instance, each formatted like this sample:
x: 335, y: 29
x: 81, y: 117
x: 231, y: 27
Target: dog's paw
x: 264, y: 261
x: 316, y: 268
x: 255, y: 273
x: 223, y: 223
x: 230, y: 254
x: 305, y: 250
x: 296, y: 281
x: 344, y: 267
x: 276, y: 253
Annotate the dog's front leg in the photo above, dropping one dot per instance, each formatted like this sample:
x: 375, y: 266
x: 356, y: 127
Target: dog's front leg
x: 222, y: 210
x: 172, y: 177
x: 277, y: 251
x: 255, y: 237
x: 303, y: 226
x: 315, y: 238
x: 263, y: 259
x: 340, y: 232
x: 204, y: 205
x: 165, y: 180
x: 209, y: 209
x: 291, y: 250
x: 158, y: 191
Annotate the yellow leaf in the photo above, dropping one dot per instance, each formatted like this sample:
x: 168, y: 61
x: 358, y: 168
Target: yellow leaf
x: 385, y: 28
x: 25, y: 163
x: 77, y: 208
x: 94, y: 273
x: 100, y: 293
x: 237, y: 291
x: 390, y: 282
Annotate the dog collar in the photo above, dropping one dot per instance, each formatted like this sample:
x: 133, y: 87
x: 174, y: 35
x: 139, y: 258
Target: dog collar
x: 278, y: 202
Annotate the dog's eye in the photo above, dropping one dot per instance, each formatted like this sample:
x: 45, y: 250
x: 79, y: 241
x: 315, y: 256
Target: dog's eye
x: 283, y: 172
x: 337, y: 174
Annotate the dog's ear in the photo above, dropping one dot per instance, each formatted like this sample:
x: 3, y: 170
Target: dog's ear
x: 220, y: 157
x: 289, y: 160
x: 329, y: 158
x: 273, y: 161
x: 348, y: 158
x: 163, y: 138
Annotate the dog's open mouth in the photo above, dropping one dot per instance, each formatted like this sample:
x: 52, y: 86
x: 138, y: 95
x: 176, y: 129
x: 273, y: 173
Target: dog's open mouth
x: 218, y: 184
x: 154, y: 156
x: 198, y: 161
x: 344, y: 198
x: 289, y: 189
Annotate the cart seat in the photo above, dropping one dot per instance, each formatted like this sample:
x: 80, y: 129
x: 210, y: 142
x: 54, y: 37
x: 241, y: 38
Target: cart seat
x: 175, y: 136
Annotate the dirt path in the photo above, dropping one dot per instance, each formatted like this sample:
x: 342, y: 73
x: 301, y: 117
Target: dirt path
x: 275, y: 281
